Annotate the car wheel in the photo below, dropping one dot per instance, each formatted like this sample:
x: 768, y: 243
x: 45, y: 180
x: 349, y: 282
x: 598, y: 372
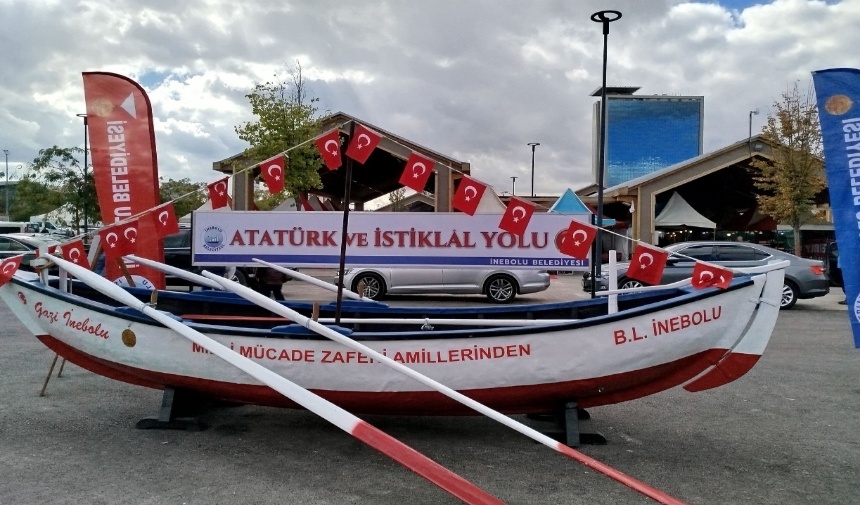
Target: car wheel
x: 626, y: 283
x: 240, y: 277
x: 789, y: 296
x: 374, y: 286
x: 500, y: 289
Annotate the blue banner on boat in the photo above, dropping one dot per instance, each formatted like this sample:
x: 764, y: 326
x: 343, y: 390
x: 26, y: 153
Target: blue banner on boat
x: 838, y: 95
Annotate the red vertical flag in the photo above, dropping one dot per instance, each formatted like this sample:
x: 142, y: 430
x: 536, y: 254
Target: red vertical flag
x: 74, y: 251
x: 647, y: 264
x: 119, y: 240
x: 218, y: 193
x: 273, y: 173
x: 8, y: 268
x: 575, y: 241
x: 417, y: 172
x: 705, y: 275
x: 363, y: 142
x: 163, y: 220
x: 468, y: 195
x: 329, y: 148
x: 125, y: 166
x: 517, y: 216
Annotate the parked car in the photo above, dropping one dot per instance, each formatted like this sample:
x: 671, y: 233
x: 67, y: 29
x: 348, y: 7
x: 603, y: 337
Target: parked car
x: 804, y: 278
x: 500, y: 286
x: 177, y: 253
x: 14, y: 244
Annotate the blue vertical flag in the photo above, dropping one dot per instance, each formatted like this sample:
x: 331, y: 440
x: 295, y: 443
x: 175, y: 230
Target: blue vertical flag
x: 838, y: 94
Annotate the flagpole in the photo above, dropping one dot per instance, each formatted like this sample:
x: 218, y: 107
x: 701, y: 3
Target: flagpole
x: 346, y: 196
x: 604, y: 17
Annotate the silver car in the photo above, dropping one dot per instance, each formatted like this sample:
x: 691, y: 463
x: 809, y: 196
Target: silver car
x: 804, y: 278
x: 500, y: 286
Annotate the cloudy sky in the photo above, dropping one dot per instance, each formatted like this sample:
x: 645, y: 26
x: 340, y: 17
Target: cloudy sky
x: 473, y: 79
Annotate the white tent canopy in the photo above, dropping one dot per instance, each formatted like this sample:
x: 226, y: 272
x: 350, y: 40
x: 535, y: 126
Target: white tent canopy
x: 678, y: 212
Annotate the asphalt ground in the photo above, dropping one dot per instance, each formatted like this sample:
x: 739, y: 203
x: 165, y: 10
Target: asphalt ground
x: 786, y: 433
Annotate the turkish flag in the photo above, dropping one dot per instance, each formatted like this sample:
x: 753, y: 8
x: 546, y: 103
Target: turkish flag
x: 647, y: 264
x: 705, y: 275
x: 576, y: 240
x: 468, y: 195
x: 363, y: 142
x: 8, y: 268
x: 163, y: 220
x: 329, y: 148
x: 417, y: 172
x: 517, y: 216
x: 273, y: 173
x: 119, y: 240
x: 74, y: 251
x: 218, y: 193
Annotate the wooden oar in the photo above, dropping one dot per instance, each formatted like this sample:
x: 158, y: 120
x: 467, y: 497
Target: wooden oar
x: 312, y: 280
x: 275, y: 307
x: 391, y: 447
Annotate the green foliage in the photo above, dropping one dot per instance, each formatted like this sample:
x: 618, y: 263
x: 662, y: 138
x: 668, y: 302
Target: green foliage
x: 285, y: 119
x: 186, y: 195
x: 790, y: 182
x: 396, y: 198
x: 55, y: 178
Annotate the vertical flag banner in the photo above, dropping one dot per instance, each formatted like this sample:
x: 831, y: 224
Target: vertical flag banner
x: 837, y: 91
x: 647, y: 264
x: 417, y: 172
x: 74, y: 251
x: 273, y: 173
x: 468, y: 195
x: 218, y: 193
x: 575, y: 241
x: 328, y: 145
x: 125, y: 170
x: 705, y: 275
x: 517, y: 216
x: 363, y: 142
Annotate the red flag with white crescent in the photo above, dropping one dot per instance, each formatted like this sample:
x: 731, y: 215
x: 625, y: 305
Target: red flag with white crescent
x: 125, y: 168
x: 517, y: 216
x: 119, y: 240
x: 329, y: 148
x: 647, y: 264
x: 8, y: 268
x: 273, y: 173
x: 705, y: 275
x: 75, y: 252
x: 218, y: 193
x: 417, y: 172
x: 576, y: 239
x: 163, y: 220
x: 468, y: 195
x: 363, y: 142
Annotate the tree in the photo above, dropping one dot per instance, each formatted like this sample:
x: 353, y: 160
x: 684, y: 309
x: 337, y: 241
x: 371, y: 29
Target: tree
x: 186, y: 195
x: 286, y: 117
x: 396, y: 198
x: 65, y: 180
x: 790, y: 182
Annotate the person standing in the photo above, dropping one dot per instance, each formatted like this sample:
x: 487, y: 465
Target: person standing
x: 271, y: 282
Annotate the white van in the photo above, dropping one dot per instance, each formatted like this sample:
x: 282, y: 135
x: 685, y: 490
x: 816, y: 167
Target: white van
x: 14, y: 227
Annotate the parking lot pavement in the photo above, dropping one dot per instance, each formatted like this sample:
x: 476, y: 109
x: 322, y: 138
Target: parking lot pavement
x: 786, y: 433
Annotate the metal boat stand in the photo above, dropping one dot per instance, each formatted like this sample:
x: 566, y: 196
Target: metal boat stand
x: 180, y: 410
x: 567, y: 429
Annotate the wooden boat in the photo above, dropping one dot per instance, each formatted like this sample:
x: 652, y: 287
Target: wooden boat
x: 658, y: 339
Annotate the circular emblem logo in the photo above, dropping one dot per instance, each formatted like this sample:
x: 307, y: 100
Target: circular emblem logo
x: 213, y: 238
x: 857, y: 308
x: 139, y: 282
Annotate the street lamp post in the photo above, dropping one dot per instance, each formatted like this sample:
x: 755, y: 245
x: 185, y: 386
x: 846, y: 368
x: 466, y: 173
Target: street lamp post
x: 514, y: 185
x: 533, y: 144
x: 6, y: 186
x: 604, y: 18
x: 752, y: 113
x: 86, y: 185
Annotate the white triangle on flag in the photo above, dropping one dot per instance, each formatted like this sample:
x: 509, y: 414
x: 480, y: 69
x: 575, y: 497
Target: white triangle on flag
x: 128, y: 105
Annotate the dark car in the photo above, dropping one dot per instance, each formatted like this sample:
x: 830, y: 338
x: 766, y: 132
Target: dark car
x: 177, y: 253
x: 804, y: 278
x: 14, y: 244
